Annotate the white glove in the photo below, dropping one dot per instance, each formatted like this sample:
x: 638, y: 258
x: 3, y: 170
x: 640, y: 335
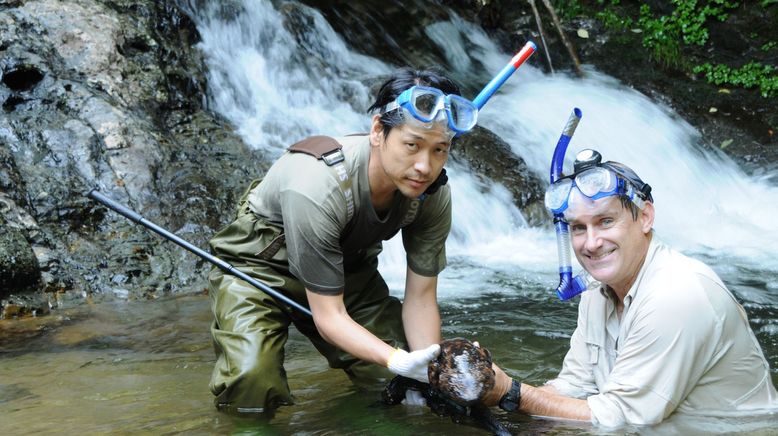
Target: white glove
x: 413, y: 365
x: 414, y: 398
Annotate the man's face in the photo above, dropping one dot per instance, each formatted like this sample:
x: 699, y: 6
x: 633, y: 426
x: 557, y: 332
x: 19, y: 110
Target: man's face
x: 412, y: 157
x: 607, y: 241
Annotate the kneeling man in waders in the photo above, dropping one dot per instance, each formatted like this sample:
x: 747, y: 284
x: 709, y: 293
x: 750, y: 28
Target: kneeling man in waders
x: 313, y: 229
x: 658, y: 332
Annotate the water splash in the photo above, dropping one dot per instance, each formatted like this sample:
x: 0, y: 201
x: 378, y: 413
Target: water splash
x: 276, y: 86
x: 279, y: 85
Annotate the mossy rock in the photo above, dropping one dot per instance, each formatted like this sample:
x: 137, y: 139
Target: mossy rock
x: 18, y: 264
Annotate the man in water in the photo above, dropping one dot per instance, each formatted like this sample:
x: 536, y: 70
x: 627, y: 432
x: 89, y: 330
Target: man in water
x: 658, y: 332
x: 313, y: 229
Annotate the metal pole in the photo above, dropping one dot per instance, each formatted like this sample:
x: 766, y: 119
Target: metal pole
x: 224, y: 266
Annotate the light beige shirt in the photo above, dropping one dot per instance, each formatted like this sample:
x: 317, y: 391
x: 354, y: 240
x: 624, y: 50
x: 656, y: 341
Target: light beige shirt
x: 683, y: 345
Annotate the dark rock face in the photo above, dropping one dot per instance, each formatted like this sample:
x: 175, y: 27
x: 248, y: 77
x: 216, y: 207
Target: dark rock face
x: 491, y: 158
x: 109, y: 94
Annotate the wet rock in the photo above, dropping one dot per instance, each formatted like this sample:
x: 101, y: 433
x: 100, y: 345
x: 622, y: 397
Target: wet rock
x: 18, y: 265
x: 110, y: 94
x: 491, y: 159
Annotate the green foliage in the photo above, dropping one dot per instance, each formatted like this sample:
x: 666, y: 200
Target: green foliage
x: 568, y: 10
x: 750, y: 75
x: 612, y: 20
x: 663, y: 35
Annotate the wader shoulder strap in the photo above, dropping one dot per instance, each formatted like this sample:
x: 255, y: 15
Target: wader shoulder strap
x: 329, y: 150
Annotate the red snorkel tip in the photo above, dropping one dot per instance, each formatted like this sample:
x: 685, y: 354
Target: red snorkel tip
x: 523, y: 54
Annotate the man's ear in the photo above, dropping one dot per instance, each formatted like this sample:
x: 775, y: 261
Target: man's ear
x: 376, y: 131
x: 647, y: 217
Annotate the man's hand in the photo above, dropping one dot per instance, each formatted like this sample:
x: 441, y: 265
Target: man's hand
x: 502, y: 384
x: 413, y: 365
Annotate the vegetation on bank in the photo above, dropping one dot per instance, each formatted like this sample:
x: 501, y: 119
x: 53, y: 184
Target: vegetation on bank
x: 677, y: 33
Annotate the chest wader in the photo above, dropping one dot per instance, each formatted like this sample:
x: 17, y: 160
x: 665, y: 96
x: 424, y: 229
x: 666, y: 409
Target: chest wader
x: 250, y: 328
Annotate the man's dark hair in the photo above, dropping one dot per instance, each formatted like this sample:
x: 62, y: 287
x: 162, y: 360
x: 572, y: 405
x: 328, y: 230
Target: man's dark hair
x: 401, y: 80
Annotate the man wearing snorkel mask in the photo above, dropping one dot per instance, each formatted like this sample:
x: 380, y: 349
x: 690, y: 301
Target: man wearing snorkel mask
x: 313, y: 229
x: 658, y: 332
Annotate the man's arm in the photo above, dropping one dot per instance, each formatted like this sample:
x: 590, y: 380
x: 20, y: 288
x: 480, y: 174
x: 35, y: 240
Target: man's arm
x: 542, y: 401
x: 421, y: 317
x: 336, y: 327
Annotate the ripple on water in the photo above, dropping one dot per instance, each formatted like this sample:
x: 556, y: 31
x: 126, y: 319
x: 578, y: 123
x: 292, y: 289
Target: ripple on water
x: 144, y: 367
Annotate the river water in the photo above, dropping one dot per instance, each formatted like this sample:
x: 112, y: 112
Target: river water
x: 143, y: 367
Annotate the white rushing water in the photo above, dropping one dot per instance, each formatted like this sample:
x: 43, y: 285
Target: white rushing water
x: 278, y: 87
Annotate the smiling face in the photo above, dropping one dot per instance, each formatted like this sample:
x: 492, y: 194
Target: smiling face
x: 607, y: 241
x: 408, y: 159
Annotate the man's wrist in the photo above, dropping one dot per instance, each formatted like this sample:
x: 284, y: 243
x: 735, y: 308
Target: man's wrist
x: 392, y: 355
x: 511, y: 401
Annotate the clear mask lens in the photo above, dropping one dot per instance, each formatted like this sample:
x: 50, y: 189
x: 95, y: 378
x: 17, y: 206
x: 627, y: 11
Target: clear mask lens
x: 462, y: 113
x: 557, y: 194
x: 427, y: 104
x: 595, y: 181
x: 440, y: 123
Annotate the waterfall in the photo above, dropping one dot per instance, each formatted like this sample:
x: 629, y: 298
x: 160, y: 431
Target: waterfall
x: 278, y: 86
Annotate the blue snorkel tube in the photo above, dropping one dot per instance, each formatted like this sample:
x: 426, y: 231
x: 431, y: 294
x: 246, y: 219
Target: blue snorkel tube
x: 569, y: 286
x: 480, y: 100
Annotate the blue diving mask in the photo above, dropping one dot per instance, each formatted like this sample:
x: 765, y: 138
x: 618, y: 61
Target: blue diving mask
x: 596, y: 180
x: 427, y: 105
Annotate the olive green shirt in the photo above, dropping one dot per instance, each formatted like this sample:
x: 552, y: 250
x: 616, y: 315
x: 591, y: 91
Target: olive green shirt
x: 303, y: 195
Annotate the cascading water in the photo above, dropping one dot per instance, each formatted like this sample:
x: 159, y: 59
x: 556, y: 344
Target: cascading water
x: 278, y: 86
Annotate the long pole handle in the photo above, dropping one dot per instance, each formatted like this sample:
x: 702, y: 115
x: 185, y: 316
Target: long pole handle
x: 224, y: 266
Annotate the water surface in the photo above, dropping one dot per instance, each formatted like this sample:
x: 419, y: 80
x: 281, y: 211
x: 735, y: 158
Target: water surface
x: 142, y: 367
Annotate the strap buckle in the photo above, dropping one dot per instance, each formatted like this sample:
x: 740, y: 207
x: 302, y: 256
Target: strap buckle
x: 334, y: 157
